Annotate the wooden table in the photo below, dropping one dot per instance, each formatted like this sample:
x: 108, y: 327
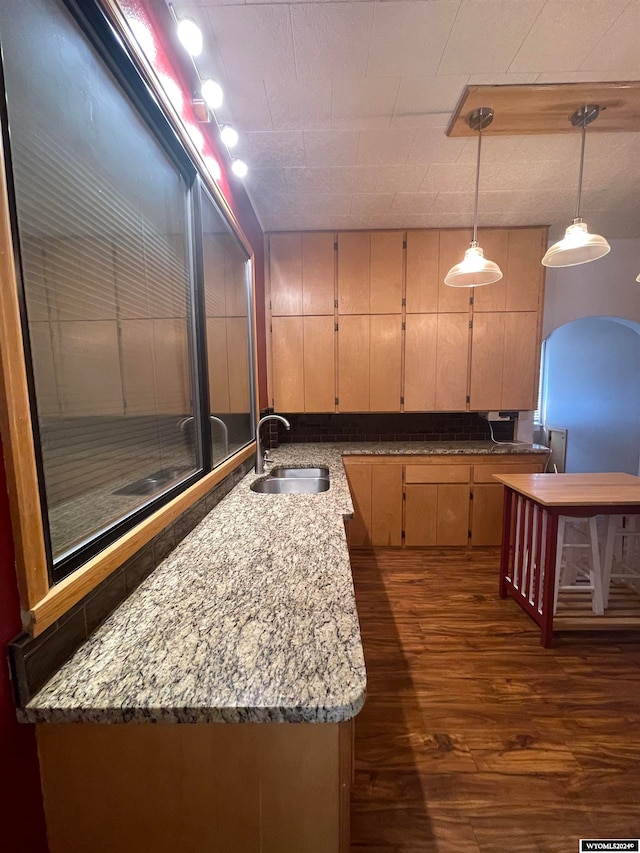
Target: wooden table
x: 533, y: 504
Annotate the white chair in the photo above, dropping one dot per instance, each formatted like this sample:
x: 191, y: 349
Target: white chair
x: 622, y: 553
x: 578, y: 565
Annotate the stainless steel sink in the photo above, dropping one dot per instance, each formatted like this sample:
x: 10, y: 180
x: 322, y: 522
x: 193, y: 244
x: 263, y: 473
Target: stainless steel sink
x: 291, y: 485
x: 299, y: 472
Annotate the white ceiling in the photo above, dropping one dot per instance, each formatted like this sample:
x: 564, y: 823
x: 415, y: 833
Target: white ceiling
x: 342, y: 109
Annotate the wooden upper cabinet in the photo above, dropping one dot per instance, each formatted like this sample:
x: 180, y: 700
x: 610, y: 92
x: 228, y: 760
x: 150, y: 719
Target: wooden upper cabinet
x: 369, y: 363
x: 504, y: 359
x: 518, y: 252
x: 354, y: 335
x: 370, y: 272
x: 318, y: 273
x: 453, y: 245
x: 525, y: 284
x: 420, y: 362
x: 302, y: 273
x: 385, y: 363
x: 436, y: 362
x: 319, y: 364
x: 495, y: 245
x: 287, y: 350
x: 354, y: 272
x: 521, y: 359
x: 385, y: 288
x: 423, y: 251
x: 285, y: 266
x: 487, y: 356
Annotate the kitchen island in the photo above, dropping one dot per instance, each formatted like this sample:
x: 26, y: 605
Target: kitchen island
x: 251, y: 619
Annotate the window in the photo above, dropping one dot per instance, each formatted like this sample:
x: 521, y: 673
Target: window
x: 226, y: 296
x: 107, y: 220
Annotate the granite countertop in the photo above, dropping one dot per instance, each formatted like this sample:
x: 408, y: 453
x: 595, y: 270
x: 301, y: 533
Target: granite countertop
x: 252, y: 618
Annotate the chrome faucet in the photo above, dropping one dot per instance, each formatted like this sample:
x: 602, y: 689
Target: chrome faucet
x: 259, y: 456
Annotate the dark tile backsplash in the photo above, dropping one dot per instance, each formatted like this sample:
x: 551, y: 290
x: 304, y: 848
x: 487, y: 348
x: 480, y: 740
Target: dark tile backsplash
x: 34, y: 661
x: 394, y: 426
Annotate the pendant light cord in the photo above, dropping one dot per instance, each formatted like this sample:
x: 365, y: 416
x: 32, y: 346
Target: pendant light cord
x: 475, y: 210
x: 584, y: 139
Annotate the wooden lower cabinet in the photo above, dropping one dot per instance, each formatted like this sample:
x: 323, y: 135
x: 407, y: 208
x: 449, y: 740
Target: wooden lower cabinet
x: 268, y: 787
x: 443, y: 501
x: 436, y: 514
x: 488, y: 496
x: 486, y: 514
x: 376, y: 490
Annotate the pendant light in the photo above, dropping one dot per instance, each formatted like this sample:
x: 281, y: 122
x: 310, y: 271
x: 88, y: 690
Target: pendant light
x: 578, y: 246
x: 475, y: 270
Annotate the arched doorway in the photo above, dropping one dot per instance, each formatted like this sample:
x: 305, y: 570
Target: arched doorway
x: 591, y: 388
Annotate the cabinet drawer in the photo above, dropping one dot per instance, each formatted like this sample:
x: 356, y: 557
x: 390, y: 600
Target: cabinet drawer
x: 484, y: 473
x: 437, y: 473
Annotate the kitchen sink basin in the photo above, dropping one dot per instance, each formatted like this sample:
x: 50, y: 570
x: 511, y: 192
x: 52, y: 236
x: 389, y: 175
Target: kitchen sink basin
x: 291, y: 485
x: 295, y: 473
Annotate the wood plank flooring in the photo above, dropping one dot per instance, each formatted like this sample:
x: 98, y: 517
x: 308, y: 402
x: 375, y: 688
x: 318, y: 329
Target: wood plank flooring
x: 475, y: 739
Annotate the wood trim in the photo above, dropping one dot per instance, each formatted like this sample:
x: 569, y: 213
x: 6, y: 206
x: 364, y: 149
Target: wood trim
x: 445, y: 459
x: 73, y: 588
x: 533, y: 108
x: 16, y: 424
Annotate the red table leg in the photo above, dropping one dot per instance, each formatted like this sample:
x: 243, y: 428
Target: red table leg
x: 506, y: 540
x: 549, y: 579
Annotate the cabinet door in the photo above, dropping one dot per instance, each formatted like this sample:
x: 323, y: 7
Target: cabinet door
x: 319, y: 364
x: 518, y: 252
x: 452, y: 362
x: 285, y: 265
x: 353, y: 363
x: 318, y: 273
x: 453, y: 245
x: 386, y: 504
x: 486, y: 514
x: 354, y: 251
x: 525, y: 282
x: 437, y: 514
x: 359, y: 527
x: 421, y: 508
x: 385, y: 287
x: 487, y: 356
x: 520, y: 363
x: 453, y: 514
x: 385, y: 359
x: 370, y: 272
x: 495, y: 244
x: 504, y: 360
x: 486, y: 506
x: 288, y: 364
x: 423, y: 249
x: 420, y: 347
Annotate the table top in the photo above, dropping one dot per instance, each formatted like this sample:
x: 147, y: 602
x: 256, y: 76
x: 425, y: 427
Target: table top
x: 603, y: 489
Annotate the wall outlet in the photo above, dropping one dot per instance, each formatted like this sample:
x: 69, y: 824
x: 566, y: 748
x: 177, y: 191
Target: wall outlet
x: 497, y: 416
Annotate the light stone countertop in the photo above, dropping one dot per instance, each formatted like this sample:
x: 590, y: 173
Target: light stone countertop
x: 252, y: 618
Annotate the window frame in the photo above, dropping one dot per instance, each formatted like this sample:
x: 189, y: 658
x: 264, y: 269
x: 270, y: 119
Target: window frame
x: 48, y: 590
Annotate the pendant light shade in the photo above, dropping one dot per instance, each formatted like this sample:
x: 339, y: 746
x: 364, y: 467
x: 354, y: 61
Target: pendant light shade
x: 578, y: 246
x: 475, y: 270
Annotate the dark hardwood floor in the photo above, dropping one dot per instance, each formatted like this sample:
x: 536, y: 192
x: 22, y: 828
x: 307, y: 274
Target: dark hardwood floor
x: 473, y: 737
